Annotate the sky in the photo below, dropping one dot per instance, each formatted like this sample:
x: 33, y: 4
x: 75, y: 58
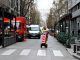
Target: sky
x: 44, y: 7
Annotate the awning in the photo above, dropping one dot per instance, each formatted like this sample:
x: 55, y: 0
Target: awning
x: 6, y: 20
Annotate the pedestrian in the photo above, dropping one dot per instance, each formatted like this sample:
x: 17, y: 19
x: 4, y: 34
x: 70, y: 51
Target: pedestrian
x: 45, y: 32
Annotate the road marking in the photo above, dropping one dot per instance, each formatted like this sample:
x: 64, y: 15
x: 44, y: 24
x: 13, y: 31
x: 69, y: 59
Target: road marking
x: 25, y: 52
x: 9, y: 52
x: 41, y: 53
x: 57, y: 53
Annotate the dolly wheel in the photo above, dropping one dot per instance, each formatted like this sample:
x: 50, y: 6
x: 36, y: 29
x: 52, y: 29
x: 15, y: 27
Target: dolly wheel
x: 41, y: 45
x: 45, y: 45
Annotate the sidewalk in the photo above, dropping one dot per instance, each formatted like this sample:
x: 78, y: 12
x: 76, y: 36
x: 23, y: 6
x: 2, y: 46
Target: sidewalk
x: 70, y: 50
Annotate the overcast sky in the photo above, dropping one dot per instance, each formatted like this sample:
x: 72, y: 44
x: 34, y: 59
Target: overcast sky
x: 44, y: 7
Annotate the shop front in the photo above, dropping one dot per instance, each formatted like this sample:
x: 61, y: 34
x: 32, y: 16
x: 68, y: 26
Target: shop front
x: 7, y: 33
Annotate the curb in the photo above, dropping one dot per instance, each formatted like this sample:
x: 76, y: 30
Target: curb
x: 76, y: 56
x: 73, y: 54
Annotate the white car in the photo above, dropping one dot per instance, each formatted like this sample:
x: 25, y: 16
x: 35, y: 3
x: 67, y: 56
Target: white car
x: 34, y: 31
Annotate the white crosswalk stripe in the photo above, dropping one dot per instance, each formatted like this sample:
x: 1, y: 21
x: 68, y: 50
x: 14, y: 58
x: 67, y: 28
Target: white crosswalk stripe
x: 9, y: 52
x: 41, y: 53
x: 25, y: 52
x: 57, y: 53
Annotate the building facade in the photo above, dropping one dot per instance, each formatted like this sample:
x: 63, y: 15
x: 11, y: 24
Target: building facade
x: 74, y: 9
x: 8, y: 10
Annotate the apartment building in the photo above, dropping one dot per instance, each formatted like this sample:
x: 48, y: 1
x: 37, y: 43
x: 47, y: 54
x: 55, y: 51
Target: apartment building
x: 74, y: 9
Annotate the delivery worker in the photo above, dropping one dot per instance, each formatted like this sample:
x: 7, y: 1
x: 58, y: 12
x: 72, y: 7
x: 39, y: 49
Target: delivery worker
x: 45, y: 31
x: 44, y: 39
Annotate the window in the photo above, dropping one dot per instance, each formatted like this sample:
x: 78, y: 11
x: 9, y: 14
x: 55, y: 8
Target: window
x: 78, y: 5
x: 18, y: 25
x: 70, y: 11
x: 74, y: 9
x: 34, y: 28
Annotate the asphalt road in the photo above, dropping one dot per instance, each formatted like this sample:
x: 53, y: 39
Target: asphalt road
x: 30, y: 50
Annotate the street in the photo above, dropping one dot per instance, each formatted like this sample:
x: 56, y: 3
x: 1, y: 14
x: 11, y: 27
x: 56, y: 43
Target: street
x: 22, y: 19
x: 30, y: 50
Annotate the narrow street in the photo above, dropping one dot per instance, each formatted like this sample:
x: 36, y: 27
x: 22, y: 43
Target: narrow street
x: 20, y: 20
x: 30, y: 50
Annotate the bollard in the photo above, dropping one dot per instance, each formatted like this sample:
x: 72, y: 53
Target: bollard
x: 74, y: 49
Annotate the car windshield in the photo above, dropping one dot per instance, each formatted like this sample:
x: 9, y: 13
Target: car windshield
x: 34, y: 29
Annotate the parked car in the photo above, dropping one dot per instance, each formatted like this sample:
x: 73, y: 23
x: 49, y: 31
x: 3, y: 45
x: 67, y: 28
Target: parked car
x: 34, y: 31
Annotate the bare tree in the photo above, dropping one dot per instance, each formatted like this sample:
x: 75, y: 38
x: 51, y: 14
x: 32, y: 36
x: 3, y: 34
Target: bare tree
x: 25, y: 6
x: 56, y: 12
x: 35, y: 15
x: 50, y: 20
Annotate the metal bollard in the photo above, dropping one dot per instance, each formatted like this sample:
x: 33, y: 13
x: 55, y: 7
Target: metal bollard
x: 74, y: 49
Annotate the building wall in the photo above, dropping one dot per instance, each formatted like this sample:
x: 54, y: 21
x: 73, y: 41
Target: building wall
x: 72, y: 3
x: 76, y: 13
x: 74, y: 8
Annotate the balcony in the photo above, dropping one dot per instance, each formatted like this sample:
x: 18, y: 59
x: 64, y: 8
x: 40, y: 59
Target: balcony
x: 76, y: 13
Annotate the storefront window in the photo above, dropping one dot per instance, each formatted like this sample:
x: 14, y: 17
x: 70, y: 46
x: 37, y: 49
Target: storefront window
x: 18, y: 25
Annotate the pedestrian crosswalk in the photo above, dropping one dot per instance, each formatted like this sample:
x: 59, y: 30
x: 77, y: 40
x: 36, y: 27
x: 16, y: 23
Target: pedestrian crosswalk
x: 57, y: 53
x: 26, y: 52
x: 41, y: 53
x: 9, y: 52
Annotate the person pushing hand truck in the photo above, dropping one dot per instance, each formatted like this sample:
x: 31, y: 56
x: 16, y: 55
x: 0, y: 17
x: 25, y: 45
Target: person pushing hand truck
x: 44, y: 38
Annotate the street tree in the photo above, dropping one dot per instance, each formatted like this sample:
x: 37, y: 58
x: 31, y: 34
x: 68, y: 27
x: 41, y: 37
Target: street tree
x: 35, y: 15
x: 50, y: 19
x: 25, y: 6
